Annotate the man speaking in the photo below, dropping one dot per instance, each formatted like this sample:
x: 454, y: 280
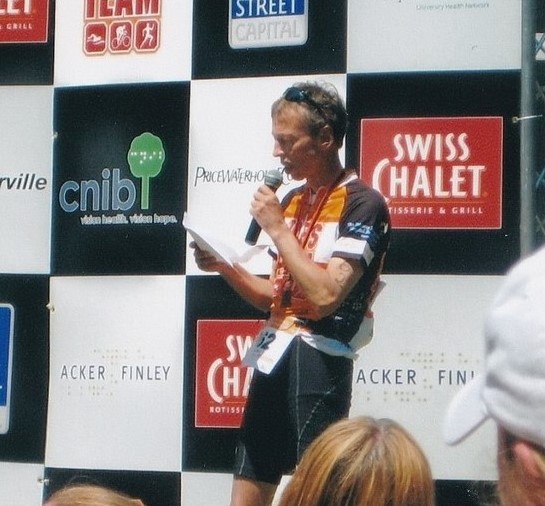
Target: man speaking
x: 330, y: 236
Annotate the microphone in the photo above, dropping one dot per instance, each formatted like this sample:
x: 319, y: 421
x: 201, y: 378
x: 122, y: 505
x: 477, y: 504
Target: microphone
x: 273, y: 179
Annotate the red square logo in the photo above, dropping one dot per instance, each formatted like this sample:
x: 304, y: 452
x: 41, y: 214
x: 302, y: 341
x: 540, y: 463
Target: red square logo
x: 436, y: 173
x: 221, y: 380
x: 24, y: 21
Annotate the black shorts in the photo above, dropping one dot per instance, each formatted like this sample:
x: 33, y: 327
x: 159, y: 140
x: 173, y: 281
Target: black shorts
x: 287, y: 409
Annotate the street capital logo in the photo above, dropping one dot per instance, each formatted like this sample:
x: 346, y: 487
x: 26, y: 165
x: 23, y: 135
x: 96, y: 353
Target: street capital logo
x: 121, y: 27
x: 267, y: 23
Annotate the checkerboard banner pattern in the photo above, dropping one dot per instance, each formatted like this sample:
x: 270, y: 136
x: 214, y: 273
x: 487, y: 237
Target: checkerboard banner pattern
x: 119, y: 117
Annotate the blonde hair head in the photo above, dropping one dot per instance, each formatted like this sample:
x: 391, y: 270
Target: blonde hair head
x: 362, y: 462
x: 90, y: 495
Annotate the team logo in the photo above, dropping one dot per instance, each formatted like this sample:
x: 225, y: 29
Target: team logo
x: 121, y: 27
x: 259, y: 23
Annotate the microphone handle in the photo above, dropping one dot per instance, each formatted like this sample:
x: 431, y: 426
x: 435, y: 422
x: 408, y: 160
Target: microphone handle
x: 273, y: 180
x: 253, y: 233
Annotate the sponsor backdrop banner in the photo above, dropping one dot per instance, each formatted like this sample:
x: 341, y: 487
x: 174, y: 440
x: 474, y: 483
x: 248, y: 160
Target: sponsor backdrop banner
x: 26, y: 41
x: 19, y: 481
x: 415, y: 35
x: 118, y: 41
x: 123, y: 120
x: 24, y: 21
x: 24, y: 367
x: 119, y: 179
x: 436, y: 172
x: 412, y: 380
x: 25, y: 179
x: 221, y: 379
x: 115, y: 373
x: 252, y: 24
x: 256, y: 38
x: 225, y: 170
x: 443, y: 154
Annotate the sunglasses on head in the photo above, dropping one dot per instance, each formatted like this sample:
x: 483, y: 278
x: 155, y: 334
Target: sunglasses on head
x: 297, y: 95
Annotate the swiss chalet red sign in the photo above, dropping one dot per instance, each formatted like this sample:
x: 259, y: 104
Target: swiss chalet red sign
x: 436, y: 173
x: 23, y: 20
x: 221, y: 380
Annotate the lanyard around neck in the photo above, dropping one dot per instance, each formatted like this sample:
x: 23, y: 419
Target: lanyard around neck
x: 301, y: 217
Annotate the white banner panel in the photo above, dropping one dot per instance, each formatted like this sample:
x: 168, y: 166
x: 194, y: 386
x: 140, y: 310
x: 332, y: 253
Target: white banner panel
x: 25, y: 179
x: 196, y: 489
x: 115, y: 373
x: 230, y: 152
x: 433, y: 35
x: 22, y: 484
x: 100, y: 42
x: 428, y: 343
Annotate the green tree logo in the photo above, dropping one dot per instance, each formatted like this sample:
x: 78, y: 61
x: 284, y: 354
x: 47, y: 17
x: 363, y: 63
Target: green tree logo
x: 146, y: 157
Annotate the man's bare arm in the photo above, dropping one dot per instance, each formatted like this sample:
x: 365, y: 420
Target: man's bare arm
x: 324, y: 288
x: 256, y: 290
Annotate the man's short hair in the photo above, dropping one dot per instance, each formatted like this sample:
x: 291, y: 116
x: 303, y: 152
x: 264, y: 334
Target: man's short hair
x: 323, y: 103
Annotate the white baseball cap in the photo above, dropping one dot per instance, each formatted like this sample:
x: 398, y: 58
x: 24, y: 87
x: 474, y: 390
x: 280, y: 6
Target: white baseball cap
x: 511, y: 390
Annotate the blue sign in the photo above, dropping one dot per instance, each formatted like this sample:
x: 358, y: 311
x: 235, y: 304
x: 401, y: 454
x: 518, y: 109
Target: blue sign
x: 6, y: 333
x: 268, y: 23
x: 266, y: 8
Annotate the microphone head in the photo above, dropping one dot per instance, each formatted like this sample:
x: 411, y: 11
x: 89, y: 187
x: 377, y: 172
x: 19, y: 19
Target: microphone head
x: 273, y: 179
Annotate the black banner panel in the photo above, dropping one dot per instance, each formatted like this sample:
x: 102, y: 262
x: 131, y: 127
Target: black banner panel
x: 216, y: 381
x: 268, y: 38
x: 150, y: 487
x: 24, y: 338
x: 423, y: 239
x: 119, y: 185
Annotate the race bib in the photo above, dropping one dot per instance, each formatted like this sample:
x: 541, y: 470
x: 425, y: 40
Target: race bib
x: 268, y: 348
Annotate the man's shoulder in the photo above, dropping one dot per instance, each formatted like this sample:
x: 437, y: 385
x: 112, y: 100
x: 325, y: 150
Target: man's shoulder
x: 359, y: 189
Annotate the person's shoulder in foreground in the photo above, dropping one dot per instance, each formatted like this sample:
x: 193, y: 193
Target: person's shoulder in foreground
x: 362, y: 461
x: 511, y: 389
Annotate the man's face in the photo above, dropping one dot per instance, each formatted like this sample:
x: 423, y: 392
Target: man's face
x: 299, y: 152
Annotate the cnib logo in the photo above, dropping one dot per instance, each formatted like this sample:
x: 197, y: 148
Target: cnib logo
x: 117, y: 194
x: 146, y: 157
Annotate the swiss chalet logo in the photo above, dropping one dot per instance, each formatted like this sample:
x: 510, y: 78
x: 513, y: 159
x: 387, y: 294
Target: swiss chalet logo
x: 23, y: 21
x: 436, y: 173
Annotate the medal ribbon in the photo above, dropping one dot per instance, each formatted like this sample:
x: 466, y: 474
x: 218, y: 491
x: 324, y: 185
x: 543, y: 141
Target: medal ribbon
x: 303, y: 233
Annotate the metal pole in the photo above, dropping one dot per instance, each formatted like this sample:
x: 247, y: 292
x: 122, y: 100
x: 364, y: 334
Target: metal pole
x: 527, y: 128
